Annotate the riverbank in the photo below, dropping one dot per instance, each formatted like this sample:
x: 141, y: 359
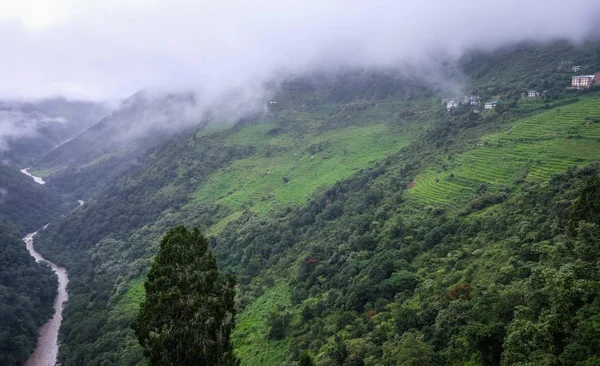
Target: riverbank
x: 46, y: 351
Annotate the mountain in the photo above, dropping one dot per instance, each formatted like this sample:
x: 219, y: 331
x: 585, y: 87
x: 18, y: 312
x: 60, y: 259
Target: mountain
x: 365, y: 221
x: 31, y: 129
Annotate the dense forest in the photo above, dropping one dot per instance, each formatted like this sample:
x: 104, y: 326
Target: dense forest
x: 25, y: 203
x: 27, y: 288
x: 458, y: 242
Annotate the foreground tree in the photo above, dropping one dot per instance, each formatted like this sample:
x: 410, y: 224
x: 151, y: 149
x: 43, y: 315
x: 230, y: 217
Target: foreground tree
x: 188, y: 314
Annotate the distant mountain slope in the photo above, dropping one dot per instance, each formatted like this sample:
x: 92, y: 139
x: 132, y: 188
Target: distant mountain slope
x: 30, y: 129
x: 83, y: 165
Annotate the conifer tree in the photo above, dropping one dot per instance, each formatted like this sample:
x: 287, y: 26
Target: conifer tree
x: 188, y: 314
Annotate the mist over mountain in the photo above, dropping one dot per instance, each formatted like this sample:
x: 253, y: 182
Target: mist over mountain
x: 229, y: 57
x: 68, y: 47
x: 30, y: 129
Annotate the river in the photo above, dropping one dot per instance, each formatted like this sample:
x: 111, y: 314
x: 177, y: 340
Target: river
x: 46, y: 350
x: 38, y: 180
x: 47, y: 346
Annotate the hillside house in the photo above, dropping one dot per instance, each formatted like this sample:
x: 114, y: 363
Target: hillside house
x: 533, y: 93
x: 491, y: 105
x: 451, y: 104
x: 582, y: 81
x: 576, y: 68
x: 472, y: 100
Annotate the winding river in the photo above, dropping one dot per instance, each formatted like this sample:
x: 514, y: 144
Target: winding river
x: 46, y: 350
x: 47, y: 346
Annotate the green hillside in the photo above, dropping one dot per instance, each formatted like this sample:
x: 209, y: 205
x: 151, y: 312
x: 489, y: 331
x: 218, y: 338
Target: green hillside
x: 531, y: 148
x: 366, y: 224
x: 290, y: 167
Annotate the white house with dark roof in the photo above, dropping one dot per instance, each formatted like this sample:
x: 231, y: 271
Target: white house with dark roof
x: 474, y: 99
x: 491, y: 105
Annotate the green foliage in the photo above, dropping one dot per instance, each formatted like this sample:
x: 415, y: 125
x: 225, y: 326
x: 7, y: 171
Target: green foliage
x: 587, y: 206
x: 408, y: 350
x: 188, y: 314
x: 251, y: 340
x: 305, y: 360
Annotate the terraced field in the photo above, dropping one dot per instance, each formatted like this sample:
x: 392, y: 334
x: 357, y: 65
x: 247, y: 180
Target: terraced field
x: 532, y: 148
x: 289, y: 167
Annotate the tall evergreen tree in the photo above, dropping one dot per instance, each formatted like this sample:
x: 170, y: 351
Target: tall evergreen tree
x: 188, y: 314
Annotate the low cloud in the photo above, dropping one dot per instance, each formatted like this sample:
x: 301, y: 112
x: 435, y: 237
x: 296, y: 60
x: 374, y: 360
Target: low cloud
x: 16, y: 123
x: 111, y: 49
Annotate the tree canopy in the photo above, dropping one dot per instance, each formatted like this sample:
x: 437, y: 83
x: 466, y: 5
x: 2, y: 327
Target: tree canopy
x: 188, y: 314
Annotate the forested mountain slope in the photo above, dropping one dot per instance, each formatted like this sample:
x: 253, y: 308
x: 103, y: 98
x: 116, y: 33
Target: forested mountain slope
x: 366, y: 223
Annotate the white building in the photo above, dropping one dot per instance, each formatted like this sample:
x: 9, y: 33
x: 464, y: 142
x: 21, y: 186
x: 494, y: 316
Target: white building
x: 576, y: 68
x: 474, y: 100
x: 533, y: 93
x: 582, y: 81
x: 451, y: 104
x: 491, y: 105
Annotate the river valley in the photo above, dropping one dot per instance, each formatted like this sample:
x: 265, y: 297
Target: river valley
x: 46, y: 350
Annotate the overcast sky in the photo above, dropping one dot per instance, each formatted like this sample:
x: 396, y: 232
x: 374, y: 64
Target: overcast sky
x: 111, y: 48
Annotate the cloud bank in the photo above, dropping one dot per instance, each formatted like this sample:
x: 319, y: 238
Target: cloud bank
x: 111, y: 49
x: 16, y: 123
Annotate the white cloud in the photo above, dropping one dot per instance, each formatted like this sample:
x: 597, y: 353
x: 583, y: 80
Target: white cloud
x: 112, y: 48
x: 16, y: 123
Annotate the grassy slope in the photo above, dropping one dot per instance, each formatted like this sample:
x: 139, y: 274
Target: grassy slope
x: 250, y: 339
x: 306, y: 148
x: 256, y: 182
x: 537, y: 146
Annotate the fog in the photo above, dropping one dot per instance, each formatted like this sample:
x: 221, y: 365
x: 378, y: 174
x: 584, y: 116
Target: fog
x: 218, y: 55
x: 16, y: 123
x: 3, y: 194
x: 111, y: 49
